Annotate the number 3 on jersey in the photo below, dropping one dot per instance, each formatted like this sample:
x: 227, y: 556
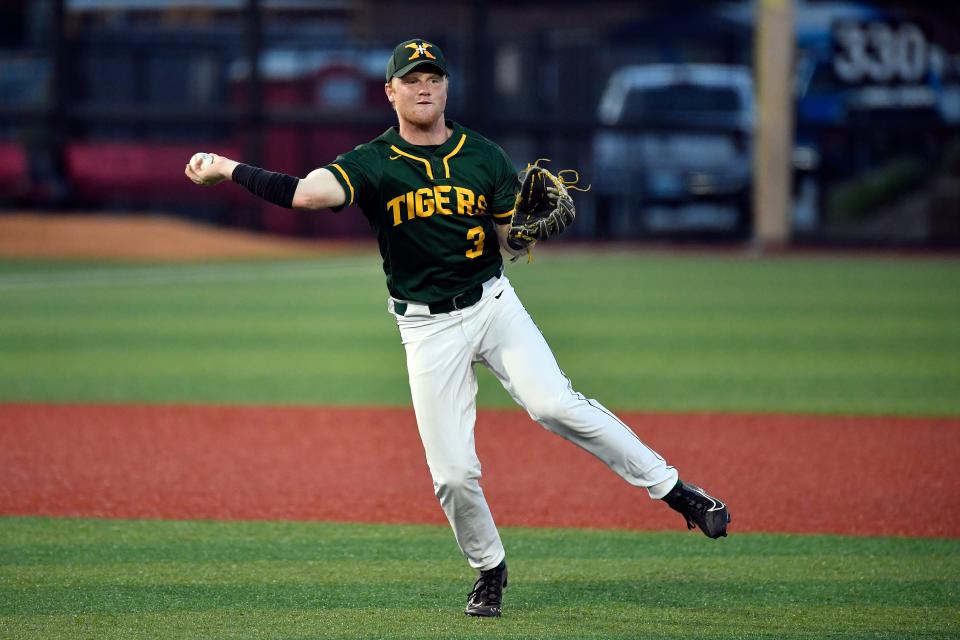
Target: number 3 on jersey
x: 477, y: 235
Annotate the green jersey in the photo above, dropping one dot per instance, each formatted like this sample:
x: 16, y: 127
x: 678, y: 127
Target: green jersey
x: 433, y: 209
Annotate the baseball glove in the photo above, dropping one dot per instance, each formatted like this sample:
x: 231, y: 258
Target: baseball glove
x: 543, y: 207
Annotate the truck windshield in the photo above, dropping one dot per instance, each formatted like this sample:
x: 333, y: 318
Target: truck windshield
x: 678, y: 100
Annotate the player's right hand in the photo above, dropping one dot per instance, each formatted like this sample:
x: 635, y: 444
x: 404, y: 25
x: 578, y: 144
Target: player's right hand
x: 202, y: 172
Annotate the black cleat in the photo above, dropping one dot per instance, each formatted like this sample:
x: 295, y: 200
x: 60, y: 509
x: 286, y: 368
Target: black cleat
x: 699, y: 509
x: 487, y: 592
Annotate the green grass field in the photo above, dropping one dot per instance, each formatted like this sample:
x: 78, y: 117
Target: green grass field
x: 849, y: 336
x: 95, y: 579
x: 877, y: 336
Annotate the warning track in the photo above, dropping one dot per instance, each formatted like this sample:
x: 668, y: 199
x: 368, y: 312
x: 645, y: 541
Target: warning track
x: 804, y: 474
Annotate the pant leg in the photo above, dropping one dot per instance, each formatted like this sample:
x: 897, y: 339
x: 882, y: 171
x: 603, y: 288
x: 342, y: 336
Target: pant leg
x: 519, y: 356
x: 444, y: 387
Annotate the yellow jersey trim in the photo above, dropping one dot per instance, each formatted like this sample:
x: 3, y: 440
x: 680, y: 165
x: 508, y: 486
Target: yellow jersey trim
x: 504, y: 215
x: 347, y: 178
x: 426, y: 163
x: 455, y: 151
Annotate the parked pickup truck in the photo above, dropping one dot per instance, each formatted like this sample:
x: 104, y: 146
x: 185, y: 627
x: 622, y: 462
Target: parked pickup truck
x: 674, y: 151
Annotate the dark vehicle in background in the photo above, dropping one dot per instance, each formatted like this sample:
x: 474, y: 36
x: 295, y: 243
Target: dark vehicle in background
x: 674, y: 154
x: 877, y: 112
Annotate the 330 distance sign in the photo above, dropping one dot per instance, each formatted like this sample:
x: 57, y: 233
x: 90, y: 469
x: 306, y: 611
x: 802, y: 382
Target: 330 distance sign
x: 883, y: 53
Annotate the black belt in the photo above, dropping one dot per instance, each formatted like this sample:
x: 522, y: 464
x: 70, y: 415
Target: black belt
x: 463, y: 300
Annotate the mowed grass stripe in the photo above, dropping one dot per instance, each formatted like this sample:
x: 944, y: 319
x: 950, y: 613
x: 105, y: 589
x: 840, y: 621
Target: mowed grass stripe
x: 784, y: 569
x: 615, y: 621
x: 92, y: 578
x: 40, y: 541
x: 140, y: 276
x: 673, y: 333
x: 530, y: 593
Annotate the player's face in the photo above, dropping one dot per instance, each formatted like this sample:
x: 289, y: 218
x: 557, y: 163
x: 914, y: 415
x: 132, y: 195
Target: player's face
x: 419, y: 97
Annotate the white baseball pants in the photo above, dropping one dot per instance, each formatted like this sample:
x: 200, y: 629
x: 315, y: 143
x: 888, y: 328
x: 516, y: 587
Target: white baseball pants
x: 498, y: 332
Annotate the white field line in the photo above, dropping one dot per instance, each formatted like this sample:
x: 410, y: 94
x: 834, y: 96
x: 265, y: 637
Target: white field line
x: 175, y: 275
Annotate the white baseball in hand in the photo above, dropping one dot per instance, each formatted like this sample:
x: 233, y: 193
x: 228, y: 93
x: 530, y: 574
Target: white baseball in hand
x: 204, y: 159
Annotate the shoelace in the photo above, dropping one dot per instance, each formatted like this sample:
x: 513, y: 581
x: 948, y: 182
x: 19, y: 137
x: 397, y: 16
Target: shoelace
x: 488, y: 587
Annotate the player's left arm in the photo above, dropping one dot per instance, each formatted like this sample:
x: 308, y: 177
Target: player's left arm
x: 502, y: 231
x: 504, y: 196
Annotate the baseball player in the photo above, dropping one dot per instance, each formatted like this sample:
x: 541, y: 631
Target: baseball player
x: 443, y: 201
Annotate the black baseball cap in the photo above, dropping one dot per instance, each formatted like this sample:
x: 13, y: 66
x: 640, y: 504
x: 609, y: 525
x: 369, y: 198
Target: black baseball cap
x: 410, y: 54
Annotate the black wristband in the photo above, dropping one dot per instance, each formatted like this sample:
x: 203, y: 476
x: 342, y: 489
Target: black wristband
x: 277, y: 188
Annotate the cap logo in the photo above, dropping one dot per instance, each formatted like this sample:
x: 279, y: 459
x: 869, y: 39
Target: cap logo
x: 420, y: 49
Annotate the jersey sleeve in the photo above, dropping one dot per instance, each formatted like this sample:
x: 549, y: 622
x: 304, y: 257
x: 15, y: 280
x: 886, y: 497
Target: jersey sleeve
x: 358, y: 172
x: 505, y: 188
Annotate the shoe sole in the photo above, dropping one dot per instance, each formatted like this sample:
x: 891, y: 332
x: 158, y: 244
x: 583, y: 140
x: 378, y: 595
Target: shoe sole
x: 722, y: 528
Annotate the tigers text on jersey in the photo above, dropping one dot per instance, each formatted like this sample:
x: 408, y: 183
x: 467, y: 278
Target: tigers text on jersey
x: 433, y: 209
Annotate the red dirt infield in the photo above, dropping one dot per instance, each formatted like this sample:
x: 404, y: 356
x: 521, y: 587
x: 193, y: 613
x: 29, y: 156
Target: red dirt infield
x: 803, y: 474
